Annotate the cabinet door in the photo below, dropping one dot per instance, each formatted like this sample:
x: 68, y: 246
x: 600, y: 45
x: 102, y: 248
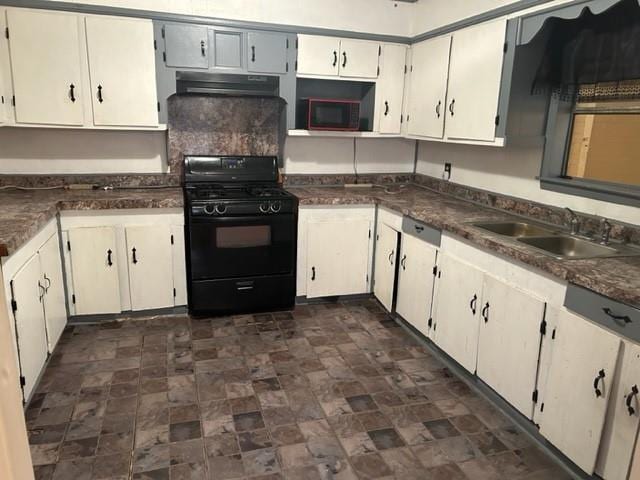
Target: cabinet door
x: 318, y: 55
x: 337, y: 258
x: 385, y: 264
x: 509, y: 342
x: 475, y: 73
x: 575, y: 403
x: 428, y: 87
x: 94, y: 271
x: 46, y: 64
x: 390, y: 88
x: 415, y: 282
x: 186, y: 46
x: 267, y: 52
x: 623, y: 418
x: 456, y: 315
x: 122, y: 70
x: 150, y: 266
x: 359, y: 58
x: 28, y: 292
x: 55, y: 305
x: 227, y: 49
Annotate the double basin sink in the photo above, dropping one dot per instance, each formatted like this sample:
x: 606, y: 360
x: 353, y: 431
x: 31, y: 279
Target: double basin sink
x: 556, y: 243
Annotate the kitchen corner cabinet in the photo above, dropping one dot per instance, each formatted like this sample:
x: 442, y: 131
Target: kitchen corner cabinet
x: 415, y: 282
x: 386, y: 253
x: 390, y: 89
x: 28, y: 290
x: 331, y: 56
x: 122, y: 71
x: 46, y: 63
x: 577, y: 385
x: 457, y: 305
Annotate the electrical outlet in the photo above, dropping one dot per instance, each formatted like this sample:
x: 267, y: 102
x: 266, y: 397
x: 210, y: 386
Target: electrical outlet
x: 447, y: 171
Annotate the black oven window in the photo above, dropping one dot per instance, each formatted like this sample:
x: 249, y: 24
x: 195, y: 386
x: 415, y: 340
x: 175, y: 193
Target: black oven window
x: 243, y: 237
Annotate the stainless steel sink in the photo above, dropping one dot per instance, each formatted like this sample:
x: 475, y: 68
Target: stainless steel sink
x: 514, y: 229
x: 563, y: 247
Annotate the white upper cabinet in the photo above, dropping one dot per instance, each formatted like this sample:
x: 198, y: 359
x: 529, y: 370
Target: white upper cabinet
x: 318, y: 55
x: 150, y: 266
x: 475, y: 73
x: 415, y: 282
x: 390, y: 89
x: 337, y: 257
x: 331, y: 56
x: 385, y: 264
x: 46, y: 64
x: 509, y: 342
x: 428, y: 87
x: 28, y: 292
x: 359, y: 58
x: 456, y: 316
x: 579, y: 384
x: 94, y: 270
x: 55, y: 304
x: 122, y: 71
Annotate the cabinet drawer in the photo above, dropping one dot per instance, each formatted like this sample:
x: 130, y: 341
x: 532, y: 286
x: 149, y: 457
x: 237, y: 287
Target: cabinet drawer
x: 422, y: 231
x: 613, y: 315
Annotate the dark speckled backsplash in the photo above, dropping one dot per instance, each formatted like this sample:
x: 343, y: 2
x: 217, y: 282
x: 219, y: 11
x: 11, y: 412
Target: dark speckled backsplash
x: 223, y: 125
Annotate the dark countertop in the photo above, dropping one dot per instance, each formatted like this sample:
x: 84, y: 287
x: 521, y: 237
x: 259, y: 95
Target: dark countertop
x: 616, y: 278
x: 24, y: 213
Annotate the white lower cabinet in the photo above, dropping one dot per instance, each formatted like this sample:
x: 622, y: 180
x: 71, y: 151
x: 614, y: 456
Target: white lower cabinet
x: 27, y: 289
x: 94, y: 270
x: 509, y: 342
x: 55, y: 304
x: 415, y: 282
x: 457, y: 305
x: 623, y: 418
x: 337, y: 258
x: 578, y: 383
x: 386, y: 252
x: 150, y: 266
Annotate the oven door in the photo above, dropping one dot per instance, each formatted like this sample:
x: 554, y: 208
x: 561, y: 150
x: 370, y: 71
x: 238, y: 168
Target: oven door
x: 242, y: 246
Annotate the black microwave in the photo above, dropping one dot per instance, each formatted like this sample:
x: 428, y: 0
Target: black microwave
x: 329, y: 114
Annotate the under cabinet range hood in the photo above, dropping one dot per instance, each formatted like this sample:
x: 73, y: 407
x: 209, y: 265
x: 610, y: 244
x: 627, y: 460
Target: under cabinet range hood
x: 227, y: 84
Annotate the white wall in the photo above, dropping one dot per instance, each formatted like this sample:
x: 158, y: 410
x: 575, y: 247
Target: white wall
x: 511, y: 171
x: 34, y: 150
x: 378, y: 16
x: 336, y: 155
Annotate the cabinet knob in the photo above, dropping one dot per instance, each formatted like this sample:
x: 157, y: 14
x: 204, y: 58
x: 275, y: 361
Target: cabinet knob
x: 134, y: 258
x: 344, y: 59
x: 622, y: 320
x: 313, y: 273
x: 451, y: 105
x: 485, y: 312
x: 391, y: 257
x: 596, y: 383
x: 109, y: 261
x: 203, y: 50
x: 386, y: 108
x: 403, y: 262
x: 438, y: 108
x: 48, y: 280
x: 472, y: 304
x: 253, y: 53
x: 100, y: 99
x: 72, y: 94
x: 335, y: 58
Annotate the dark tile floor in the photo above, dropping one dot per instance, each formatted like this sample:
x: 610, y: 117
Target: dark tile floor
x: 332, y: 391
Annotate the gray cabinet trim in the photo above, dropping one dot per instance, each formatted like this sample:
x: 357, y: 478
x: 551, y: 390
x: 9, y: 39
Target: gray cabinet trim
x: 603, y: 311
x: 420, y: 230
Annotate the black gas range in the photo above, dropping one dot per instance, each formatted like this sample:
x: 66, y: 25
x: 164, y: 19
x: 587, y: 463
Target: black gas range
x: 241, y: 232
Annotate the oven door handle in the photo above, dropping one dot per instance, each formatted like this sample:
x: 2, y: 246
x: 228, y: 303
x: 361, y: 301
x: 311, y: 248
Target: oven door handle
x: 244, y: 286
x: 241, y: 221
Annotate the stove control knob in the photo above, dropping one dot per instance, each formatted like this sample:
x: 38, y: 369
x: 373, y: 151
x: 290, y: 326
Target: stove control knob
x: 209, y: 209
x: 221, y: 208
x: 264, y: 207
x: 275, y: 207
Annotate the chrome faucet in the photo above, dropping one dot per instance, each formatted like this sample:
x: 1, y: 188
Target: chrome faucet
x: 574, y: 221
x: 605, y: 231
